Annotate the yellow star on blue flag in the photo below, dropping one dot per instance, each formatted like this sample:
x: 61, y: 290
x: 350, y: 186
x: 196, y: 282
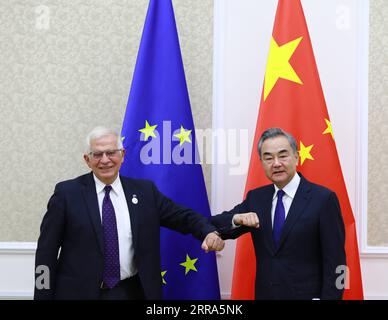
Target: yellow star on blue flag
x: 189, y: 264
x: 159, y: 95
x: 183, y: 135
x: 148, y: 131
x: 163, y: 273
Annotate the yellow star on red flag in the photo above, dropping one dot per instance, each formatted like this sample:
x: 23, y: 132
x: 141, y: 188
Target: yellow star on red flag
x: 278, y: 65
x: 329, y: 128
x: 305, y: 152
x: 293, y: 100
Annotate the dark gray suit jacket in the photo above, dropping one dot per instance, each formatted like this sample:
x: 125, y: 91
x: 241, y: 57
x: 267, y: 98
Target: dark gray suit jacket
x: 311, y: 246
x: 72, y: 228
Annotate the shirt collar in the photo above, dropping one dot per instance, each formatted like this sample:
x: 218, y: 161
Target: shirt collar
x: 101, y: 185
x: 291, y: 188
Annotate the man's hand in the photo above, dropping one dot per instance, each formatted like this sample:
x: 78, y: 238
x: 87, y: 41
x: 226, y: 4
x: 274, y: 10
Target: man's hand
x: 249, y: 219
x: 213, y: 242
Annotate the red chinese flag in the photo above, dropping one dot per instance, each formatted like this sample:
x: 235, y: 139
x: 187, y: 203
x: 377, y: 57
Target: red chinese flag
x: 292, y: 99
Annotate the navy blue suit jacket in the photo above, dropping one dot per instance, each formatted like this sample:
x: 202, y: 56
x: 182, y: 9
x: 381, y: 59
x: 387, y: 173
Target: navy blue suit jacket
x: 311, y: 245
x: 71, y: 237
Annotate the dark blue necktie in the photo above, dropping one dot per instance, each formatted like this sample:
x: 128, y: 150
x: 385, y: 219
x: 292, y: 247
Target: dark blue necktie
x: 278, y: 221
x: 111, y: 273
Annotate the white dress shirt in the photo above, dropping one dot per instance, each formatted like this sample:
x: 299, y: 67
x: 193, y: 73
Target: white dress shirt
x: 289, y: 194
x: 288, y: 197
x: 126, y: 250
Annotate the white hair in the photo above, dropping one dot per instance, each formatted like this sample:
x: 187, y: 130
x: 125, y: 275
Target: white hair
x: 99, y: 132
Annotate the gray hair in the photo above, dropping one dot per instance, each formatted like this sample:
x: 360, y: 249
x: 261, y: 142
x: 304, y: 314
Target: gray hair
x: 99, y: 132
x: 276, y: 132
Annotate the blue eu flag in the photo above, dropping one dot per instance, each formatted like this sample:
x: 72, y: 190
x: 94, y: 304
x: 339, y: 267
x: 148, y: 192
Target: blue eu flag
x: 159, y: 137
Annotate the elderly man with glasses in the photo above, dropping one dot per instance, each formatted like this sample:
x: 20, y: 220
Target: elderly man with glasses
x: 99, y: 238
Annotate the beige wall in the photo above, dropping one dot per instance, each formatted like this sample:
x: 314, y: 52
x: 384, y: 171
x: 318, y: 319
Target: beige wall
x: 60, y: 78
x: 56, y: 83
x: 378, y: 125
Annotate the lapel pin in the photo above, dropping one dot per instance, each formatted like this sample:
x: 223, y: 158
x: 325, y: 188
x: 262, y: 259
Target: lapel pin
x: 134, y: 199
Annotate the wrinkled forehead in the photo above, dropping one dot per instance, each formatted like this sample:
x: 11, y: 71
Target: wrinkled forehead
x: 276, y: 145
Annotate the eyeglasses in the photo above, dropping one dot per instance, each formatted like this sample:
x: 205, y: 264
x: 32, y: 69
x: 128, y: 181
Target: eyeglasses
x: 97, y: 155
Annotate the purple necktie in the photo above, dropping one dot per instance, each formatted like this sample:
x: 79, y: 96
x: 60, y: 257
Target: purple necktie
x: 111, y: 273
x: 278, y: 221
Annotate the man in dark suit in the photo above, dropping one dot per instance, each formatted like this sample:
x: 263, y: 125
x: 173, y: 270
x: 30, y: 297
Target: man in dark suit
x: 99, y: 238
x: 299, y: 244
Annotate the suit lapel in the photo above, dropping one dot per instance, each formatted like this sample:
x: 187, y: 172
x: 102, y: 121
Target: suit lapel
x: 267, y: 219
x: 133, y: 204
x: 90, y: 195
x: 302, y: 197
